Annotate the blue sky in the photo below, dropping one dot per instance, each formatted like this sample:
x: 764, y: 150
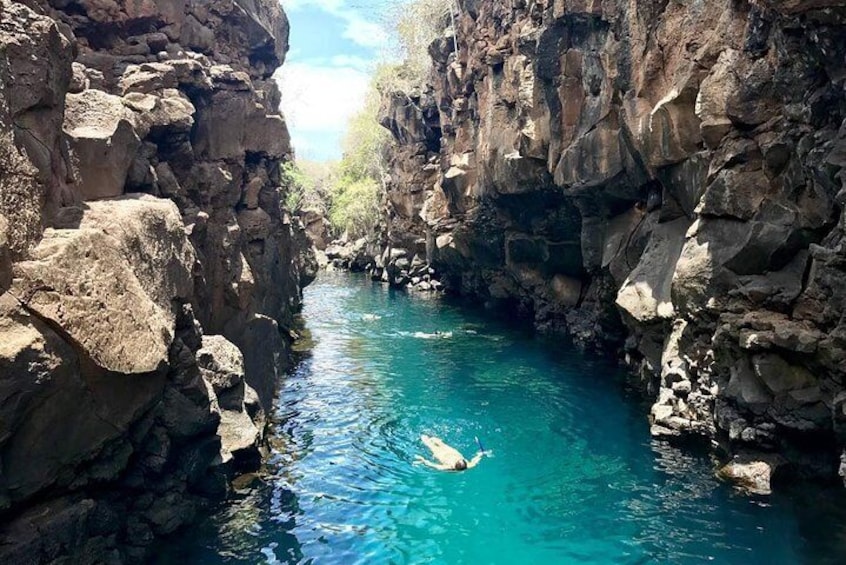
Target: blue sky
x: 334, y: 46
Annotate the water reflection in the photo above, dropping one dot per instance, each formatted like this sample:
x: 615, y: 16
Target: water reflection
x: 258, y: 517
x: 576, y: 477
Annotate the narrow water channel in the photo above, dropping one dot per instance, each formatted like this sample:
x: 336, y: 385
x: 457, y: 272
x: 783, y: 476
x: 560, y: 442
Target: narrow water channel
x: 575, y: 477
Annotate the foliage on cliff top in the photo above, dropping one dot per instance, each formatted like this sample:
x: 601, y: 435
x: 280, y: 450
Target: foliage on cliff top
x: 415, y: 25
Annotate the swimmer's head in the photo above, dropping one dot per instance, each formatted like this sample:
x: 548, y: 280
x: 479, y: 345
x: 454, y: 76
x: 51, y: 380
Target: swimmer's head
x: 461, y: 465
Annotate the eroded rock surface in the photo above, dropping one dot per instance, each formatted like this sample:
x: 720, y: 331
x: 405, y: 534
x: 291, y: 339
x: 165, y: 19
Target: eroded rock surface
x: 661, y: 180
x: 241, y: 414
x: 148, y: 272
x: 128, y: 258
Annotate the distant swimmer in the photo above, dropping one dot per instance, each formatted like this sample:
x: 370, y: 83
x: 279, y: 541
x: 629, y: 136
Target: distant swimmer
x: 449, y: 458
x: 436, y: 335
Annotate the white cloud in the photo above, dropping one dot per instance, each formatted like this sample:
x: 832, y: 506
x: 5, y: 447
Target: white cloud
x: 364, y: 32
x: 321, y: 97
x: 355, y: 62
x: 321, y: 93
x: 326, y: 5
x: 318, y: 100
x: 359, y: 29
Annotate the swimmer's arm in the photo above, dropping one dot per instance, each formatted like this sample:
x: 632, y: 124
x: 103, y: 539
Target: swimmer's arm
x: 424, y: 461
x: 476, y: 458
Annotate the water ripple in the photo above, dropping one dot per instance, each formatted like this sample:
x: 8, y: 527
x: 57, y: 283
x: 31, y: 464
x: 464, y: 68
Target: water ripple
x: 574, y: 478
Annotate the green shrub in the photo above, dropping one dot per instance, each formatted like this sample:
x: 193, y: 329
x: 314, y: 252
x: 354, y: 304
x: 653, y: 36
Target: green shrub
x: 355, y: 206
x: 307, y: 185
x: 415, y: 25
x: 351, y: 190
x: 357, y: 183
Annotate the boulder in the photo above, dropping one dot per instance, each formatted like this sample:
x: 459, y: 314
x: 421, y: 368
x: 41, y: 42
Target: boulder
x: 222, y: 367
x: 170, y: 113
x: 196, y: 36
x: 264, y: 351
x: 255, y: 224
x: 222, y: 126
x: 746, y: 389
x: 239, y: 436
x: 752, y: 473
x: 735, y: 193
x: 103, y: 142
x: 317, y: 227
x: 454, y: 184
x: 48, y: 388
x: 701, y: 276
x: 672, y: 131
x: 221, y: 364
x: 780, y: 376
x: 267, y: 135
x: 147, y: 78
x: 110, y: 283
x: 79, y: 81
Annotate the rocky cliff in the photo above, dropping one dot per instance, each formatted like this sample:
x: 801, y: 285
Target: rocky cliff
x: 148, y: 272
x: 661, y: 179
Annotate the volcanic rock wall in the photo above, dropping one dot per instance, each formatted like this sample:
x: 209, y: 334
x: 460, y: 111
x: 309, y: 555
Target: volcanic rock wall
x: 148, y: 272
x: 662, y: 178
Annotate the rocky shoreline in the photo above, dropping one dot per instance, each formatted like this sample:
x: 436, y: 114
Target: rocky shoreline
x: 393, y: 266
x: 661, y: 181
x: 149, y: 274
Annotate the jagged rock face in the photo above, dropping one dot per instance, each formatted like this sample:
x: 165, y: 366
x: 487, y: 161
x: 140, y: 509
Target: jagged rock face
x: 250, y: 35
x: 148, y: 272
x: 37, y: 364
x: 137, y: 263
x: 37, y: 57
x: 317, y: 227
x: 662, y: 178
x: 413, y: 166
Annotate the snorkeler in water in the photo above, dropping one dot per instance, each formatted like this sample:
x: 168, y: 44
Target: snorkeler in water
x: 449, y: 458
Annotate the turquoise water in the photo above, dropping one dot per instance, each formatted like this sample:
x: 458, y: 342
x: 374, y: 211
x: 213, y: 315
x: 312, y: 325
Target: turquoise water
x: 575, y: 476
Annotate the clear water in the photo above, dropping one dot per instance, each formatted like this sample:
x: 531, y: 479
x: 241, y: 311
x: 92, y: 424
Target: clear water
x: 575, y: 477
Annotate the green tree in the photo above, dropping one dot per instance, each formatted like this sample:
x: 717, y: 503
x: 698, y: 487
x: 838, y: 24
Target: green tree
x: 417, y: 23
x: 351, y: 190
x: 355, y: 206
x: 366, y: 142
x: 358, y: 183
x: 308, y: 185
